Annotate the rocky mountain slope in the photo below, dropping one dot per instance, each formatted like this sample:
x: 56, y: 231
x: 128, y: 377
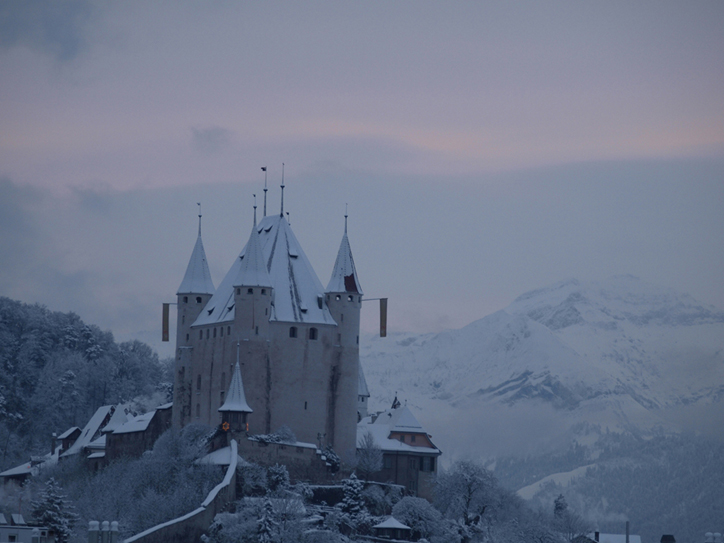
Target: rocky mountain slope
x: 562, y: 362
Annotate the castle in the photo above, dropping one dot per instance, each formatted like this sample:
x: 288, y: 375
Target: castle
x: 296, y: 343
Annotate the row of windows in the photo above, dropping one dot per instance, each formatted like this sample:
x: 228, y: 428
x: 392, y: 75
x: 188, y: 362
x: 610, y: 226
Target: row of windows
x: 426, y: 463
x: 350, y: 298
x: 198, y: 299
x: 294, y: 332
x: 412, y: 438
x: 250, y: 291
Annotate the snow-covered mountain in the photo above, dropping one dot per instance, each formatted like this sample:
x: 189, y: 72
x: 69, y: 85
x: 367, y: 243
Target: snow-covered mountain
x: 619, y: 354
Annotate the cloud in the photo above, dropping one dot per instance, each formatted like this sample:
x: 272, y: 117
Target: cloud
x: 56, y: 28
x: 210, y: 140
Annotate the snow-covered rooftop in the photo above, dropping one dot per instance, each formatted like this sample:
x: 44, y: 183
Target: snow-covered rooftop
x: 615, y: 538
x: 399, y: 420
x: 67, y: 433
x: 90, y: 430
x: 252, y: 270
x: 344, y: 275
x: 22, y: 469
x: 236, y: 399
x: 219, y: 457
x: 135, y: 424
x: 117, y: 419
x: 197, y: 279
x: 392, y: 522
x: 297, y: 294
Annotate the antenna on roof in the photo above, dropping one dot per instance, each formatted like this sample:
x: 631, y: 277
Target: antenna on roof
x: 281, y: 214
x: 288, y: 219
x: 345, y: 218
x: 199, y: 204
x: 238, y: 346
x: 254, y: 209
x: 263, y: 168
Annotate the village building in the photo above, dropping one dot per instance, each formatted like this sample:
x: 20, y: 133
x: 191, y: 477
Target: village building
x: 409, y: 457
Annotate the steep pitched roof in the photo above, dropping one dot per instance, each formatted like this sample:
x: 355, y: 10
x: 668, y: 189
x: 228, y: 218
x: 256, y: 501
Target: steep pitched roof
x: 236, y: 399
x: 399, y: 420
x: 344, y: 275
x: 297, y: 290
x: 198, y: 278
x: 362, y: 389
x: 252, y: 271
x: 392, y: 522
x: 91, y: 429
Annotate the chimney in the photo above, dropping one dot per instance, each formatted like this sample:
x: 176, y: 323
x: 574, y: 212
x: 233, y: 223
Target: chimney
x: 596, y: 535
x: 717, y: 537
x: 93, y: 531
x: 53, y: 439
x: 627, y: 531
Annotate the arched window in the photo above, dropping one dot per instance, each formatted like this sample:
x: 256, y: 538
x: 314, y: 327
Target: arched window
x: 186, y: 299
x: 293, y: 331
x: 350, y: 298
x: 198, y: 299
x: 338, y: 297
x: 312, y: 333
x: 250, y: 291
x: 214, y: 332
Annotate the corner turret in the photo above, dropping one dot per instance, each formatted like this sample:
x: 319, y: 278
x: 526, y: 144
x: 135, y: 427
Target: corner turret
x: 235, y: 408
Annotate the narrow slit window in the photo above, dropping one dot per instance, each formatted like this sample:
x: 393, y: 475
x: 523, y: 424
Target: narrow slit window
x: 293, y: 331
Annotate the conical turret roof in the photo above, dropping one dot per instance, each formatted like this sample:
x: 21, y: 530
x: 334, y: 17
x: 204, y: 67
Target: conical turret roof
x: 344, y: 275
x: 253, y: 271
x: 198, y: 278
x: 236, y: 399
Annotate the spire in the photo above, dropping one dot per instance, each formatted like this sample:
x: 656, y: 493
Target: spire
x: 253, y: 271
x: 235, y: 398
x: 281, y: 214
x: 197, y: 279
x: 344, y: 275
x: 263, y: 168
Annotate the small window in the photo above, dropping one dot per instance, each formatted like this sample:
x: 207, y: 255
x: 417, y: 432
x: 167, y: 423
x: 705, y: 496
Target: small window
x: 402, y: 438
x: 266, y: 311
x: 183, y: 319
x: 387, y: 462
x: 350, y: 298
x: 320, y: 302
x: 341, y: 317
x: 198, y: 382
x: 357, y: 340
x: 338, y: 297
x: 201, y: 334
x: 214, y: 332
x: 256, y: 330
x: 238, y: 291
x: 360, y: 299
x: 293, y: 331
x: 207, y: 333
x: 228, y: 330
x: 250, y: 291
x: 187, y: 337
x: 305, y: 406
x: 221, y: 330
x: 412, y: 438
x: 186, y: 299
x: 339, y: 338
x: 198, y: 410
x: 312, y: 333
x: 198, y: 299
x: 221, y: 398
x: 263, y: 292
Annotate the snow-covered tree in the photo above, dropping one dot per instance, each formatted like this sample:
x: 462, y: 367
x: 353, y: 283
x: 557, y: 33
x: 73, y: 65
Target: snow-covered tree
x: 353, y: 506
x: 467, y: 493
x: 277, y: 478
x: 369, y: 456
x: 266, y: 525
x: 560, y: 506
x: 55, y: 511
x: 419, y: 515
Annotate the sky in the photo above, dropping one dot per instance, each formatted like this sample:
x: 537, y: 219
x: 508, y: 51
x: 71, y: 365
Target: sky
x: 483, y: 149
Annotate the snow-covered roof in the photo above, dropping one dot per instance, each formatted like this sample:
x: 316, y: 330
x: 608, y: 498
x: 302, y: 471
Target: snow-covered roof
x: 22, y: 469
x: 117, y: 419
x: 392, y: 522
x: 236, y: 399
x: 18, y: 519
x: 99, y: 443
x: 2, y: 519
x: 344, y: 275
x: 362, y: 389
x: 219, y: 457
x: 394, y: 420
x: 297, y: 294
x: 67, y: 433
x: 252, y: 271
x: 97, y: 455
x: 197, y: 279
x: 135, y: 424
x: 89, y: 431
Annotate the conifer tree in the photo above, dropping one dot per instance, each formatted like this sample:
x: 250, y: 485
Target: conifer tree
x: 54, y: 511
x: 265, y: 525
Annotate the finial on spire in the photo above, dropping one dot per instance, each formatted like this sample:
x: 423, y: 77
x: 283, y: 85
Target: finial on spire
x: 288, y: 219
x: 281, y: 213
x: 345, y: 218
x: 263, y: 168
x: 199, y: 204
x: 254, y: 210
x: 238, y: 347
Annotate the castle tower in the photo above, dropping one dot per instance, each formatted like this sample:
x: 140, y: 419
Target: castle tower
x: 194, y: 292
x: 235, y: 409
x: 344, y: 299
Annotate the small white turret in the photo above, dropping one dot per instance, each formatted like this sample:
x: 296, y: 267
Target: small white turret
x: 235, y: 408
